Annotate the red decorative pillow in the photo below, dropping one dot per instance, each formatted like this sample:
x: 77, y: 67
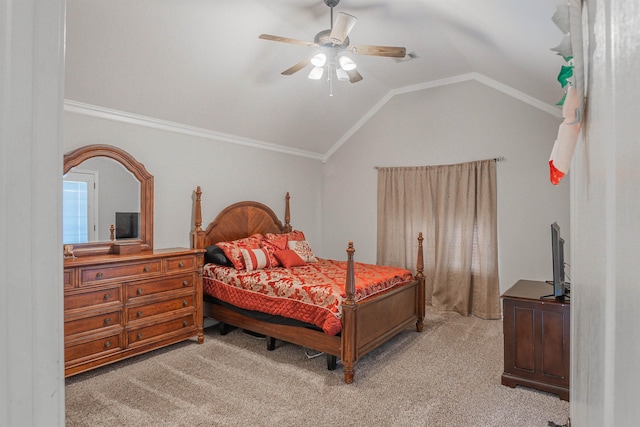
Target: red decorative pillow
x: 233, y: 248
x: 274, y: 242
x: 256, y: 259
x: 303, y: 249
x: 289, y: 258
x: 295, y: 235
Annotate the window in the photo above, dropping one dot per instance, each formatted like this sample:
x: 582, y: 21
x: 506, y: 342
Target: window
x: 79, y: 223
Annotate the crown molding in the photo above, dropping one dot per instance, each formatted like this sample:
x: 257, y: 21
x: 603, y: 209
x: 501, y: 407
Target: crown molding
x: 76, y: 107
x: 507, y: 90
x: 125, y: 117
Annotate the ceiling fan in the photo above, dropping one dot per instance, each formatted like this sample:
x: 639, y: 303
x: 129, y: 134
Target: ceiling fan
x: 333, y: 45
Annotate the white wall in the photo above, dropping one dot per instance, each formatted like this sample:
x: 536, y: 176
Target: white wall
x: 31, y: 320
x: 605, y: 210
x: 452, y: 124
x: 227, y: 173
x: 118, y: 191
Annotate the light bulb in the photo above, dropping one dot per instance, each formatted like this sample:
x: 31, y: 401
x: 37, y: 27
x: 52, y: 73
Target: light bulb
x: 319, y: 59
x: 347, y: 64
x: 316, y: 73
x: 342, y: 74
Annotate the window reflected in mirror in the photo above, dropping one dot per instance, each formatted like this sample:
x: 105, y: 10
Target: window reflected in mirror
x: 98, y: 193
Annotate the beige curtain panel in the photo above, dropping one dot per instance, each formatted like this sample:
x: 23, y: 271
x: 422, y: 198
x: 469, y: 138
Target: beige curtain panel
x: 455, y: 208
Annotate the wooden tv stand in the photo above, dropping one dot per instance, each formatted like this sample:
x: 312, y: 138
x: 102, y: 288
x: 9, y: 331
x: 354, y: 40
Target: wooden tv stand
x: 536, y: 338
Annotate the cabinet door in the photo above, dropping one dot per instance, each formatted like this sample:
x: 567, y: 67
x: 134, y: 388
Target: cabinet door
x: 553, y: 343
x: 536, y: 341
x: 519, y: 338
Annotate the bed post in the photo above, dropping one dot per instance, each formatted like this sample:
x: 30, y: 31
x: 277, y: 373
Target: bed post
x: 420, y: 301
x: 349, y: 308
x: 197, y: 235
x: 287, y: 215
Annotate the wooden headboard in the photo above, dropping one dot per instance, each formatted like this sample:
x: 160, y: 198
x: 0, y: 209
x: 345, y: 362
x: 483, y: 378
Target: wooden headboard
x: 237, y: 221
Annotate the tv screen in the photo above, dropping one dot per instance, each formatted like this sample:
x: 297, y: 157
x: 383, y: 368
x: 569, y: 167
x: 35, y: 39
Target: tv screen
x: 557, y: 250
x: 127, y: 225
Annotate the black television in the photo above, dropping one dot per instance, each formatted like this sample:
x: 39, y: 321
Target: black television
x: 127, y: 225
x: 557, y: 251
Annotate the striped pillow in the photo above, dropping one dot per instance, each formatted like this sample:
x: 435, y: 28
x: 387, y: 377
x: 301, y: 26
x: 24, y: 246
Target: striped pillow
x: 256, y: 259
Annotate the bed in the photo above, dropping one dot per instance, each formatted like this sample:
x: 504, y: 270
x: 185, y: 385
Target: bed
x: 367, y: 319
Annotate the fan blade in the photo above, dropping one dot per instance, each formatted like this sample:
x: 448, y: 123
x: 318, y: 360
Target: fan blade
x: 343, y: 25
x: 299, y: 66
x: 392, y: 51
x: 286, y: 40
x: 354, y: 76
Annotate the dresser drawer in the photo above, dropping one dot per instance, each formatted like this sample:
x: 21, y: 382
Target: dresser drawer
x: 182, y: 263
x: 119, y: 271
x: 139, y: 335
x: 92, y: 298
x: 68, y: 278
x: 107, y: 344
x: 91, y: 323
x: 139, y: 289
x: 119, y: 305
x: 144, y: 311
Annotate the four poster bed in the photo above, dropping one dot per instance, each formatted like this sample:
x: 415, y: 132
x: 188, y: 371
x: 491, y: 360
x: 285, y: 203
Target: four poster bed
x: 344, y: 309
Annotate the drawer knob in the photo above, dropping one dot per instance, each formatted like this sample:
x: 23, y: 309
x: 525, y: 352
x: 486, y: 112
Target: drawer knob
x: 185, y: 323
x: 107, y: 320
x: 181, y: 264
x: 139, y: 314
x: 139, y: 336
x: 185, y: 283
x: 185, y: 303
x: 139, y: 291
x: 107, y: 344
x: 107, y: 296
x: 146, y: 269
x: 98, y: 275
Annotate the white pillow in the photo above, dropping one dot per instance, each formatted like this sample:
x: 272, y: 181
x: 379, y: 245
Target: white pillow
x: 303, y: 249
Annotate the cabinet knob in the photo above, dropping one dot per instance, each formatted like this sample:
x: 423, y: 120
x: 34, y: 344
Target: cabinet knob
x: 146, y: 269
x: 185, y: 283
x: 98, y: 275
x: 185, y: 303
x: 139, y: 291
x: 107, y: 320
x: 139, y: 336
x: 139, y: 314
x: 185, y: 323
x: 107, y: 296
x: 181, y: 264
x: 107, y: 344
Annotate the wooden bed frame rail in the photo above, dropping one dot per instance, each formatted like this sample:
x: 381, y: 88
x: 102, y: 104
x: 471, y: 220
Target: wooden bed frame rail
x: 366, y: 324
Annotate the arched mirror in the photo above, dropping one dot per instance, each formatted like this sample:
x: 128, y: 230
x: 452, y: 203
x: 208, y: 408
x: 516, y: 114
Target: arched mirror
x: 107, y: 199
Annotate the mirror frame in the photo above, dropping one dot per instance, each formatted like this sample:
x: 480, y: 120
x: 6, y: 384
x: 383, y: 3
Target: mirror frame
x: 75, y: 157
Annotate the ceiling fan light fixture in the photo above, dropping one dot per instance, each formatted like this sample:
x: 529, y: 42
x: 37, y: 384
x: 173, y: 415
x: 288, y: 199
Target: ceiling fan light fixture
x: 319, y: 59
x: 347, y: 64
x: 342, y: 74
x: 343, y: 25
x: 316, y: 73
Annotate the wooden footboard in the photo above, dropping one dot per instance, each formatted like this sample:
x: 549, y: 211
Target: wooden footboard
x: 371, y: 322
x: 366, y: 324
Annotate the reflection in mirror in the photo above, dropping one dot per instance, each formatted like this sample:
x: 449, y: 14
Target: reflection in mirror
x: 120, y: 208
x: 97, y: 194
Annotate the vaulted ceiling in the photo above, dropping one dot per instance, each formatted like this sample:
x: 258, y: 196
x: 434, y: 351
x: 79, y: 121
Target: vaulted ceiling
x: 200, y: 63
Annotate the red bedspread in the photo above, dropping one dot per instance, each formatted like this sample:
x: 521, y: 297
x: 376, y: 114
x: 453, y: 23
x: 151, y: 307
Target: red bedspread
x: 312, y: 293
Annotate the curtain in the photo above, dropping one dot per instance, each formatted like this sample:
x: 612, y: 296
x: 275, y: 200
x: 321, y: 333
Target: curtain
x: 456, y: 209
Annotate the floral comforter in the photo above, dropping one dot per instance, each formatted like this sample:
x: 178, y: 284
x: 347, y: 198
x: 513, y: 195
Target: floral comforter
x: 312, y: 293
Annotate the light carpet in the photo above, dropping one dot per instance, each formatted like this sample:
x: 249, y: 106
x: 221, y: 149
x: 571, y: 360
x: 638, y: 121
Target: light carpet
x: 448, y: 375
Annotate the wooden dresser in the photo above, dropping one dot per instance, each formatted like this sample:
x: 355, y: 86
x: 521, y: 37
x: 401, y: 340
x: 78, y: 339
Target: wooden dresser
x: 536, y: 338
x: 118, y: 306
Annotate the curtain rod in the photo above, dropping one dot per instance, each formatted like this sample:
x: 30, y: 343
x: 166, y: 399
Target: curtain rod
x: 495, y: 159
